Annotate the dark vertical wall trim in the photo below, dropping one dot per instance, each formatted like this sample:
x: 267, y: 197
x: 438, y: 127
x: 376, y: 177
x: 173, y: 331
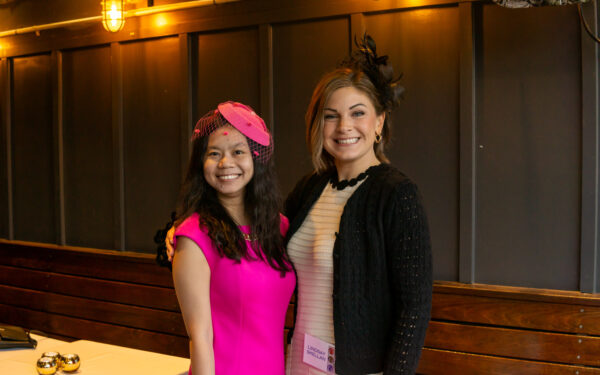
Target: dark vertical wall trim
x: 589, y: 156
x: 467, y: 145
x: 57, y: 126
x: 265, y: 64
x: 193, y: 74
x: 186, y: 99
x: 117, y: 125
x: 357, y: 29
x: 7, y: 72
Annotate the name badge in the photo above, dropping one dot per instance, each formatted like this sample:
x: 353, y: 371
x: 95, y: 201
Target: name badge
x: 319, y: 354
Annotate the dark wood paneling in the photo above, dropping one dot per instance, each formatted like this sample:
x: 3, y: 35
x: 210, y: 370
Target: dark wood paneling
x: 80, y: 286
x: 33, y: 167
x: 5, y: 148
x: 109, y: 265
x: 265, y: 33
x: 227, y: 69
x: 302, y: 53
x: 23, y: 13
x: 97, y: 331
x: 85, y: 308
x: 529, y: 161
x: 589, y: 278
x: 488, y: 329
x: 163, y: 2
x: 187, y: 54
x: 442, y: 362
x: 423, y: 46
x: 540, y: 316
x: 59, y: 290
x: 566, y: 297
x: 116, y: 83
x: 206, y: 18
x: 533, y: 345
x: 151, y: 137
x: 467, y: 151
x: 88, y: 150
x: 58, y: 145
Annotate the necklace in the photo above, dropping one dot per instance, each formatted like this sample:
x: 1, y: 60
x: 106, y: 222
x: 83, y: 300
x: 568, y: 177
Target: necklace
x: 341, y: 185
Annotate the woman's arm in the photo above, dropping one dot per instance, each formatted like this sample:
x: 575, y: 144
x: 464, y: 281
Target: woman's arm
x: 408, y: 251
x: 191, y: 276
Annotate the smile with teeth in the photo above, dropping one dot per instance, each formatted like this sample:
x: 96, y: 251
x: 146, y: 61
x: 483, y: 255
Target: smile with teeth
x: 228, y: 176
x: 347, y: 141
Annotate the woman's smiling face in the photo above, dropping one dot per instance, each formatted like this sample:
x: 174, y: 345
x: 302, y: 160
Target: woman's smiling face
x: 350, y: 125
x: 228, y: 164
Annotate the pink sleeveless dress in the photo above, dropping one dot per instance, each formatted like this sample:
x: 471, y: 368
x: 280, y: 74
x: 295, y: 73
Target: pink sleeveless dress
x: 249, y: 301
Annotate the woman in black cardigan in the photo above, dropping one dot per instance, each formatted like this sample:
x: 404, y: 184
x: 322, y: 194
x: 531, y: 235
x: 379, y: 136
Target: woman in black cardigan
x: 358, y: 233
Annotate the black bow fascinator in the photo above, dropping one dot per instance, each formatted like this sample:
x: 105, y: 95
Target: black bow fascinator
x: 379, y: 71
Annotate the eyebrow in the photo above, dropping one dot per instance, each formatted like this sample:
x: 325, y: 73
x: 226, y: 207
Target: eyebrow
x: 234, y: 146
x: 356, y: 105
x: 351, y: 107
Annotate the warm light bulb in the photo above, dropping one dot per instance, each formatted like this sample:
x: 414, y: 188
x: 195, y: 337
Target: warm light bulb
x: 161, y: 20
x: 113, y: 18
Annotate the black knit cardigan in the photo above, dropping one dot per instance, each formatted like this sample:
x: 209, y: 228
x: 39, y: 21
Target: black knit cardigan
x: 382, y: 280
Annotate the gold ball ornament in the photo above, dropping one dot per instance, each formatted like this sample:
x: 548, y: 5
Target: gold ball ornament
x: 46, y: 366
x: 54, y: 355
x: 70, y: 362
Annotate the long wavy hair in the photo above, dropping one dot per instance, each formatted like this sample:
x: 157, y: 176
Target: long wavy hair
x: 262, y: 202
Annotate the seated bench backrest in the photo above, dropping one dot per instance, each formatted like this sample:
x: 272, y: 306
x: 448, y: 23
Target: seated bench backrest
x: 126, y: 299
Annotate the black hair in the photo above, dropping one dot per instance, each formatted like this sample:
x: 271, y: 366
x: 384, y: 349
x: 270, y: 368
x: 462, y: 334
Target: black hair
x: 262, y: 202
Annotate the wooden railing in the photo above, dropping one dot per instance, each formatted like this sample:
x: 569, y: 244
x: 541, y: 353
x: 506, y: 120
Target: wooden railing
x: 126, y: 299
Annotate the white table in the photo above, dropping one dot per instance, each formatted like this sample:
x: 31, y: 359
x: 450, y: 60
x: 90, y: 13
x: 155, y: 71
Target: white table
x: 96, y: 359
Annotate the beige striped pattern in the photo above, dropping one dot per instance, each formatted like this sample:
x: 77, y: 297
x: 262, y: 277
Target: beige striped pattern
x: 311, y: 249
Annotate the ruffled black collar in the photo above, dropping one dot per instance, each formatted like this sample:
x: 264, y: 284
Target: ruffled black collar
x: 341, y: 185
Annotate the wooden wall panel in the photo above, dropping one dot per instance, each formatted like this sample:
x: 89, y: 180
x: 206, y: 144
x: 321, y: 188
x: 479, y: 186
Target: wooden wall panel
x: 157, y: 297
x: 85, y: 308
x: 529, y: 148
x: 423, y: 46
x: 444, y: 362
x: 4, y: 146
x: 107, y: 296
x: 513, y: 343
x: 88, y: 149
x: 151, y: 131
x: 227, y: 69
x: 108, y: 265
x: 559, y: 317
x: 33, y: 157
x: 66, y: 326
x: 302, y: 53
x: 22, y: 13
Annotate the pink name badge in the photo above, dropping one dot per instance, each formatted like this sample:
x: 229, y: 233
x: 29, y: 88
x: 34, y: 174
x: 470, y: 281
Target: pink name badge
x: 319, y: 354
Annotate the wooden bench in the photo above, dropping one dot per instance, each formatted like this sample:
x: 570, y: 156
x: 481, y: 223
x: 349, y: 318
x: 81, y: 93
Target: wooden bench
x: 482, y: 329
x: 126, y: 299
x: 116, y: 298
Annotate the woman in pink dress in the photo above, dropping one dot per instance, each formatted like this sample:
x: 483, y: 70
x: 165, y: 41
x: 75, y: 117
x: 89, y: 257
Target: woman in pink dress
x: 231, y: 273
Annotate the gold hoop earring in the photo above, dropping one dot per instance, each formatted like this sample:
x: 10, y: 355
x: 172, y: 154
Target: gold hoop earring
x: 377, y: 138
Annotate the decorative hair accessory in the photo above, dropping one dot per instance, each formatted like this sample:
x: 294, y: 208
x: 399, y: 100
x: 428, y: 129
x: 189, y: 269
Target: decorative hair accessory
x: 377, y: 69
x: 244, y: 119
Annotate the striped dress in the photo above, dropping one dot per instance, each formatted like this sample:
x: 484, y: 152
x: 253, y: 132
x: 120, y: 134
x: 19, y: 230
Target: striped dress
x: 311, y: 250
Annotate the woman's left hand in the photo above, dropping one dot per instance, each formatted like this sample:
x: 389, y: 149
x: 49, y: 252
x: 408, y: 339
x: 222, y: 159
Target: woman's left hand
x: 169, y: 243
